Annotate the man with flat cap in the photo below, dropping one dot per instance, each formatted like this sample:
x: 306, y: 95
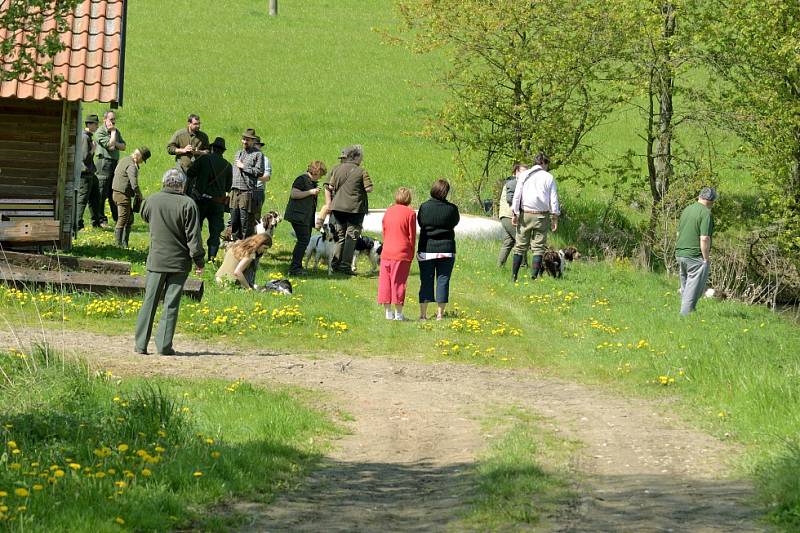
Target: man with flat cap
x: 693, y: 248
x: 349, y: 185
x: 248, y: 166
x: 124, y: 189
x: 211, y: 177
x: 109, y: 144
x: 189, y: 143
x: 89, y: 191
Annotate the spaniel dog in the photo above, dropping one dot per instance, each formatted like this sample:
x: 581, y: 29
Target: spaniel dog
x: 556, y: 261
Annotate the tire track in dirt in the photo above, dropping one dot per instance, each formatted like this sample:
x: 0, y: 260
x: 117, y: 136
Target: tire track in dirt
x: 416, y: 436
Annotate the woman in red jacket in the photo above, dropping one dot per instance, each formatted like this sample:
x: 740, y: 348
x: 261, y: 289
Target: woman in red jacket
x: 399, y: 236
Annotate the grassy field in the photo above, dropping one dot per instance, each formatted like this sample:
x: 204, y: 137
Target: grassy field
x: 88, y: 451
x: 317, y: 78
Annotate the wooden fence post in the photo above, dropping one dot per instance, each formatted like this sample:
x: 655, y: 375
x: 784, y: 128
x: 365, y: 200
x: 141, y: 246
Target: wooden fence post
x: 273, y: 7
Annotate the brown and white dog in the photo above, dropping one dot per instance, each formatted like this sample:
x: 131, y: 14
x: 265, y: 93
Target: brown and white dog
x: 268, y: 222
x: 556, y: 261
x: 265, y: 224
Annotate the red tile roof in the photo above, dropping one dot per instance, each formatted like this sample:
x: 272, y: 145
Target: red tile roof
x: 92, y: 63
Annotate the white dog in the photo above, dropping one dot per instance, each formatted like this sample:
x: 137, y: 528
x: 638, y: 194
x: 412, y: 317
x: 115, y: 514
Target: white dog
x: 321, y: 246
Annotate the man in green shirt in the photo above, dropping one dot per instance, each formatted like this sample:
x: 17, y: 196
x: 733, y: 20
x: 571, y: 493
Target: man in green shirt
x: 109, y: 144
x: 189, y: 143
x: 693, y: 248
x: 174, y: 245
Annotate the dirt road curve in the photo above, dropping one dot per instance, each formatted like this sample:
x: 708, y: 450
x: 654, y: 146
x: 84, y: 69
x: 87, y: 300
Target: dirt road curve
x: 416, y: 433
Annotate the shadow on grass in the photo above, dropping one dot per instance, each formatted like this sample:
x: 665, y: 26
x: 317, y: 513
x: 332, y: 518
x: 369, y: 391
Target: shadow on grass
x: 419, y: 497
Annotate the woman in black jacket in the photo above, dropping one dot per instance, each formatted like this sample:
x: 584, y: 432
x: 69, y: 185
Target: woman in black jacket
x: 436, y: 252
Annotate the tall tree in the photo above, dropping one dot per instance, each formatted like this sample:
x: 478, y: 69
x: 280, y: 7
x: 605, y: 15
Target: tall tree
x: 754, y: 49
x: 522, y: 77
x: 32, y: 38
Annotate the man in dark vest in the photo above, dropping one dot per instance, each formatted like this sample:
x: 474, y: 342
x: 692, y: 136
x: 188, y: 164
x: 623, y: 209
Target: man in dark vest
x: 210, y: 177
x: 248, y: 166
x: 350, y: 185
x: 174, y: 245
x: 189, y: 143
x: 89, y: 192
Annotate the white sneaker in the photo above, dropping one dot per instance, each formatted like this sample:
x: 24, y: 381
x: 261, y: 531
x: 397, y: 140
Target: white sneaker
x: 389, y: 315
x: 399, y: 316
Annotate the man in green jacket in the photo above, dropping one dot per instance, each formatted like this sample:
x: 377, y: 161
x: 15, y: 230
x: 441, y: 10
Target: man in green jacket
x: 124, y: 189
x: 109, y: 144
x: 693, y: 248
x: 189, y: 143
x: 210, y: 177
x: 174, y: 245
x: 350, y: 185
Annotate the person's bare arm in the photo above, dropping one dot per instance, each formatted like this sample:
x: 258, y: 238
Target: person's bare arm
x: 239, y: 272
x: 705, y: 247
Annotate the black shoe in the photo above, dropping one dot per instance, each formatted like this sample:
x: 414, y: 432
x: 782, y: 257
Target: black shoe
x: 346, y: 272
x: 140, y: 352
x: 300, y: 272
x: 168, y: 352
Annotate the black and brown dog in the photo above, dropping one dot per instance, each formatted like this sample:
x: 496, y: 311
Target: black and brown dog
x: 556, y: 261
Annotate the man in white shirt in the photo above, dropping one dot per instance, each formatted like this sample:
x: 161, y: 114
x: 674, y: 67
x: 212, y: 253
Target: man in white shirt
x: 534, y: 210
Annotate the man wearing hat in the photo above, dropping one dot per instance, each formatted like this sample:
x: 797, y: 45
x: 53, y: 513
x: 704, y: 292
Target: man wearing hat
x: 109, y: 145
x: 211, y: 177
x: 125, y: 187
x: 248, y: 166
x: 261, y: 185
x: 349, y: 185
x: 693, y: 248
x: 189, y: 143
x: 89, y: 192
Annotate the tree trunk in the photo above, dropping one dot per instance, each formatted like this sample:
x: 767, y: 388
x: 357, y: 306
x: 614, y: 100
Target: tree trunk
x: 273, y: 7
x: 659, y: 136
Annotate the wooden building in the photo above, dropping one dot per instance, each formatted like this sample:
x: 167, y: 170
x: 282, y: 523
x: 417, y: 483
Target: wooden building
x: 39, y: 132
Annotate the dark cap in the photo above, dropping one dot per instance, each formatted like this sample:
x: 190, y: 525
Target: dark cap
x: 219, y: 142
x: 708, y: 193
x: 92, y: 119
x: 352, y: 152
x: 145, y: 151
x: 249, y: 133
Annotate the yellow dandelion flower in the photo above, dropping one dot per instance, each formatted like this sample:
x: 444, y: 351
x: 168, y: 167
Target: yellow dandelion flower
x: 197, y: 474
x: 38, y: 487
x: 146, y: 472
x: 215, y: 454
x: 3, y: 494
x: 119, y: 520
x: 120, y: 484
x: 100, y: 475
x: 159, y: 449
x: 12, y: 444
x: 58, y: 473
x: 22, y: 492
x: 123, y: 448
x: 75, y: 466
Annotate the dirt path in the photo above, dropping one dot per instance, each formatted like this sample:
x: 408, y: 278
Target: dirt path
x: 416, y: 434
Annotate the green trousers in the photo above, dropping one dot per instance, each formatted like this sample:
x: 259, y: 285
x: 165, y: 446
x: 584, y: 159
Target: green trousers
x: 170, y: 285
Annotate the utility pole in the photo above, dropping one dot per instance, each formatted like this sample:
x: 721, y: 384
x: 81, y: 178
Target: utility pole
x: 273, y: 7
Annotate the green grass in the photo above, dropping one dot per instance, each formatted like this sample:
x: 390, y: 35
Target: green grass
x: 524, y: 474
x: 91, y: 452
x: 731, y: 369
x: 317, y: 78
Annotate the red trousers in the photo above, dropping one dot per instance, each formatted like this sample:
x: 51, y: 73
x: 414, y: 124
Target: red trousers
x: 392, y: 281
